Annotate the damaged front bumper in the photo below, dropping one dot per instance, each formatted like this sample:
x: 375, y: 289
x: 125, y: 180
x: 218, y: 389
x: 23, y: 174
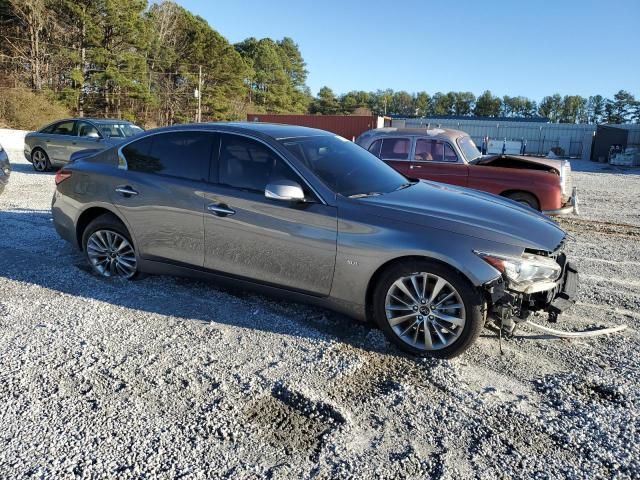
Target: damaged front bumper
x: 511, y: 306
x: 570, y: 207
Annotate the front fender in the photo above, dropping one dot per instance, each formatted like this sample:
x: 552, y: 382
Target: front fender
x: 365, y: 248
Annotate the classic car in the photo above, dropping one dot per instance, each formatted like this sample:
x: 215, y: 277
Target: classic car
x: 451, y: 156
x: 54, y: 144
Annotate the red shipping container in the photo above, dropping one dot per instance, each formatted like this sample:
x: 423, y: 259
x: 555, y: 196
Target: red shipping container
x: 347, y: 126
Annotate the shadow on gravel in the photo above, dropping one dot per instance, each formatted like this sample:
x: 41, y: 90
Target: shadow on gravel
x: 28, y: 169
x: 32, y: 252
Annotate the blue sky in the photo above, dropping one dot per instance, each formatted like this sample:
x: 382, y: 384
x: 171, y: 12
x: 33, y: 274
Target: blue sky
x: 531, y: 48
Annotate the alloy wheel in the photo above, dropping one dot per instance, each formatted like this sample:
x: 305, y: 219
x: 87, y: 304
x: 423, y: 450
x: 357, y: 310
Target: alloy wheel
x: 425, y: 311
x: 39, y: 161
x: 111, y: 254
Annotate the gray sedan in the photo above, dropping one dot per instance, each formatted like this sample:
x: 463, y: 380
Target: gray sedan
x: 54, y: 144
x: 310, y: 216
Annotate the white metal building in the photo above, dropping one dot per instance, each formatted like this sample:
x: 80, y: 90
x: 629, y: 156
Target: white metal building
x: 540, y: 137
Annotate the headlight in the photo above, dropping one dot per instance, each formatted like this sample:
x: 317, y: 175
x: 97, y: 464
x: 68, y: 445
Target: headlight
x: 563, y: 178
x: 523, y: 271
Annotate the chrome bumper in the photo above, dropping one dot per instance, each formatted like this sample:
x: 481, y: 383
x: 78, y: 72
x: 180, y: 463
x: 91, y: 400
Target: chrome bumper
x: 570, y: 207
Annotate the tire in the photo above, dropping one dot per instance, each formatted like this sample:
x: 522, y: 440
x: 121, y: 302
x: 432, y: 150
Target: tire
x: 108, y: 248
x: 390, y: 303
x: 525, y: 199
x: 40, y: 160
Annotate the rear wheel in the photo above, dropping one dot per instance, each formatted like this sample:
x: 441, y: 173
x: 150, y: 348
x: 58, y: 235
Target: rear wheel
x: 109, y: 249
x: 40, y: 160
x: 525, y: 199
x: 428, y: 309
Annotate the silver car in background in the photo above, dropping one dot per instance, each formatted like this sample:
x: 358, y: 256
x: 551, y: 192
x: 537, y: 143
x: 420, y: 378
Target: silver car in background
x: 313, y: 217
x: 54, y: 144
x: 5, y: 169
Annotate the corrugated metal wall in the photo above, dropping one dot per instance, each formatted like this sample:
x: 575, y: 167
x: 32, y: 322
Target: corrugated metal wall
x: 634, y: 135
x: 540, y: 137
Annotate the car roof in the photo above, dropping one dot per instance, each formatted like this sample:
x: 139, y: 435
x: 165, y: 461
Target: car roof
x: 91, y: 119
x: 276, y: 131
x: 447, y: 133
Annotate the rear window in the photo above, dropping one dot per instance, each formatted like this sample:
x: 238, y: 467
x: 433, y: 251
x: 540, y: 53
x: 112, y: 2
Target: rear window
x: 375, y: 147
x: 178, y: 154
x: 63, y: 128
x: 119, y: 130
x: 395, y: 149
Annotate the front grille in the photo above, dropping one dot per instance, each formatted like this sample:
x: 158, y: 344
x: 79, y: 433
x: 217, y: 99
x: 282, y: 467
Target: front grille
x: 567, y: 186
x: 560, y: 247
x: 555, y: 253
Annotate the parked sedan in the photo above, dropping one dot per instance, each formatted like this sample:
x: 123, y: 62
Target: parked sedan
x: 313, y: 217
x: 451, y: 156
x: 5, y: 169
x: 54, y: 144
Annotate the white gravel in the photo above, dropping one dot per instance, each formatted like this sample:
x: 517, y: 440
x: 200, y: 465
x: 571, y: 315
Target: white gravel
x: 169, y: 377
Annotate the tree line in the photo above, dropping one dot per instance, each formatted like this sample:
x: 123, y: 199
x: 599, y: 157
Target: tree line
x: 622, y: 108
x: 158, y: 63
x: 144, y: 62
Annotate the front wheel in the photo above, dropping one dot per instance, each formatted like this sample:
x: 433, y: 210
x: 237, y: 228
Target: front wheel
x: 428, y: 309
x: 525, y: 199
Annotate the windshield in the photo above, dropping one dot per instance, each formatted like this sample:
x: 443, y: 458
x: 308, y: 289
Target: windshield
x: 469, y: 149
x: 345, y: 167
x: 120, y: 130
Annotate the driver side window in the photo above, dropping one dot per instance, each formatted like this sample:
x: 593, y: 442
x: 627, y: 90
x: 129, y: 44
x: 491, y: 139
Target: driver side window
x: 87, y: 130
x: 247, y: 164
x: 434, y: 151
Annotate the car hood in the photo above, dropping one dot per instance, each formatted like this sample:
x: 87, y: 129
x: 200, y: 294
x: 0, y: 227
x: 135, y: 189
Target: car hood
x: 469, y: 212
x: 521, y: 161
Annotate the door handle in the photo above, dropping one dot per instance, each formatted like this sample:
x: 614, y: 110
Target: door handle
x: 411, y: 167
x: 220, y: 209
x: 127, y: 191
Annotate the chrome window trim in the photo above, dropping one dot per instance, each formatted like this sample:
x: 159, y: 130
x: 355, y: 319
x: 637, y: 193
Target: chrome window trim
x: 122, y: 160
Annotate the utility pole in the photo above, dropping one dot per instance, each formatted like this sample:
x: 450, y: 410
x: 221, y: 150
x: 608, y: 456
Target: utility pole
x: 199, y: 114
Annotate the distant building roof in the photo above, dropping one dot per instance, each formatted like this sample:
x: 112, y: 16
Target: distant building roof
x: 471, y: 117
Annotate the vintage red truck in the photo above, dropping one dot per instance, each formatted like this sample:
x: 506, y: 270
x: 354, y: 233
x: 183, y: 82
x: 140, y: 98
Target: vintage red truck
x: 451, y: 156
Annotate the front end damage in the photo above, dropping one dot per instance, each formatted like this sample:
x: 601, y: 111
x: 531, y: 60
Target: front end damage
x: 510, y: 302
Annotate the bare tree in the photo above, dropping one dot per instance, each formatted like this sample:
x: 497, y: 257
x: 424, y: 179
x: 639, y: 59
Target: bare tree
x: 33, y: 16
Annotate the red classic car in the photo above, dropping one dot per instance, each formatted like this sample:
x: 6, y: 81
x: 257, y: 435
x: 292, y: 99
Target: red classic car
x: 450, y: 156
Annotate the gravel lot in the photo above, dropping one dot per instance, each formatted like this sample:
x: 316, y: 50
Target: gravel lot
x: 172, y: 377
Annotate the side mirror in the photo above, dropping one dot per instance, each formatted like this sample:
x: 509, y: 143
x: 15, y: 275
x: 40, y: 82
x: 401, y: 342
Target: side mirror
x: 106, y: 133
x: 285, y: 190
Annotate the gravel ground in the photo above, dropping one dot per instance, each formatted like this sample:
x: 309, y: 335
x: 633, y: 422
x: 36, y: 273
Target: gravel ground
x: 169, y: 377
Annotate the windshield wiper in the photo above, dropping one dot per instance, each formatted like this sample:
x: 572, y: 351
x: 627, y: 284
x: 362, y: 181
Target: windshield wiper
x: 362, y: 195
x: 405, y: 185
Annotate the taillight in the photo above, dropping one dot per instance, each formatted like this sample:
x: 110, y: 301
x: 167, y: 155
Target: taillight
x: 62, y: 175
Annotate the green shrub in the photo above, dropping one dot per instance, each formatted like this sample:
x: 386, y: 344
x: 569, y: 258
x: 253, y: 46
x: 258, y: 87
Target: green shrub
x: 26, y: 110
